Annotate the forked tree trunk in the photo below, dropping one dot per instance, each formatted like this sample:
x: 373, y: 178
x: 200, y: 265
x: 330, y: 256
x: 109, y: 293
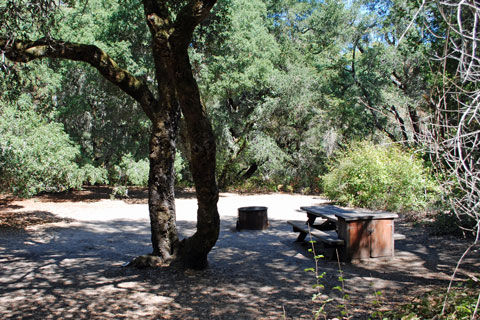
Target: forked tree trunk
x: 178, y: 87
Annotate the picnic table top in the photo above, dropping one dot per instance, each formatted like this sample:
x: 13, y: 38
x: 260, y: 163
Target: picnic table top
x: 332, y: 213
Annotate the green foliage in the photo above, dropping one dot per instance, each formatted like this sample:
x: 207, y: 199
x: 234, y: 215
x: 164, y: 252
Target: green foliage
x: 294, y: 140
x: 380, y: 177
x: 119, y: 192
x: 28, y: 19
x: 449, y: 223
x: 317, y: 296
x: 243, y: 61
x: 105, y: 122
x: 131, y: 172
x: 181, y: 169
x: 262, y: 94
x: 35, y: 155
x: 285, y: 84
x: 460, y: 304
x: 94, y: 175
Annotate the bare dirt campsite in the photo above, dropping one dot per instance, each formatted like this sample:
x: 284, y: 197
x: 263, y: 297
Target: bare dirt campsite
x: 62, y: 256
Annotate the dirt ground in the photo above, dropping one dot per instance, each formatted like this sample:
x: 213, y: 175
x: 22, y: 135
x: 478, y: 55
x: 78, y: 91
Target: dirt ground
x: 68, y: 263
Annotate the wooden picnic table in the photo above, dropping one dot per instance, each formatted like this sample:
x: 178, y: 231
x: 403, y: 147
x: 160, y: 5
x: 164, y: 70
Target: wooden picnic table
x: 357, y: 234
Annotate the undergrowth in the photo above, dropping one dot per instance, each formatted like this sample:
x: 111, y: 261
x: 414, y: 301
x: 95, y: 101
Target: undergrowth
x: 461, y: 304
x: 317, y: 297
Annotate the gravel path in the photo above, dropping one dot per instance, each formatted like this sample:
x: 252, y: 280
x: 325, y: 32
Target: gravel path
x: 72, y: 266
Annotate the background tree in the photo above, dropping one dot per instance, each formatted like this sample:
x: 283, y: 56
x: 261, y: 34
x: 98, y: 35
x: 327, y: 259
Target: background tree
x: 234, y: 72
x: 268, y: 110
x: 85, y: 102
x: 35, y: 155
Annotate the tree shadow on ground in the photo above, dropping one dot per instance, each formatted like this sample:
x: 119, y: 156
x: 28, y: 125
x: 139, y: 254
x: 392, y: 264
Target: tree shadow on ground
x: 25, y: 219
x: 75, y: 270
x: 6, y: 203
x: 88, y: 194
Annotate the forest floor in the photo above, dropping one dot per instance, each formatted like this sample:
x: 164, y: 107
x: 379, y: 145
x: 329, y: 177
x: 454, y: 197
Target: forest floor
x: 62, y: 256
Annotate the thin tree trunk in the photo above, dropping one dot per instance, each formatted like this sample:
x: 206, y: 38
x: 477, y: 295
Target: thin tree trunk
x: 415, y: 119
x: 228, y: 165
x: 401, y: 122
x: 194, y: 250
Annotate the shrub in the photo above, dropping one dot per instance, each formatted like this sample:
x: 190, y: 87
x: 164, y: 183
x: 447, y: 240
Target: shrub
x: 183, y: 177
x: 131, y: 172
x: 380, y: 177
x: 35, y: 155
x: 449, y: 223
x: 119, y: 192
x: 94, y: 175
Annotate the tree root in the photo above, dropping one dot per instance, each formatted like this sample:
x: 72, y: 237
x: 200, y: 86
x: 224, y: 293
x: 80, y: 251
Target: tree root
x: 147, y: 261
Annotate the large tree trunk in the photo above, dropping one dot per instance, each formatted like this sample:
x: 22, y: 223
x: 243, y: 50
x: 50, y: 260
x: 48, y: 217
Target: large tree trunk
x: 161, y: 200
x: 178, y: 88
x: 194, y: 250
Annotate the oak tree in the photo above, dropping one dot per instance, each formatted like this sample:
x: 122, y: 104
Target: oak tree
x: 171, y: 24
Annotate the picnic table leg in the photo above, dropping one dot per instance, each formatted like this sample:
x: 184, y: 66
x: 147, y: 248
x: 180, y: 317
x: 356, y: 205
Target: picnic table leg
x: 311, y: 219
x: 327, y: 225
x: 301, y: 236
x: 310, y: 222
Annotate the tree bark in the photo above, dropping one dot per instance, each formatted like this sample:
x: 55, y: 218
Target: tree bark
x: 178, y: 89
x: 415, y: 119
x: 401, y: 122
x: 224, y: 180
x: 26, y: 51
x: 161, y: 201
x: 202, y: 145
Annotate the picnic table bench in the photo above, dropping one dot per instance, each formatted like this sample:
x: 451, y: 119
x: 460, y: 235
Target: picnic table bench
x: 357, y: 234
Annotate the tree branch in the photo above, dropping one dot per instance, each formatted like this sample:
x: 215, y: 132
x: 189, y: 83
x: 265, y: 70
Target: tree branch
x: 397, y: 81
x: 157, y: 15
x: 194, y: 12
x: 26, y: 51
x: 401, y: 122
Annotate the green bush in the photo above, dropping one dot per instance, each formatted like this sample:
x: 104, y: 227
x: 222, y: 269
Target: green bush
x: 131, y: 172
x: 35, y: 155
x: 94, y: 175
x: 183, y: 177
x: 380, y: 177
x: 448, y: 223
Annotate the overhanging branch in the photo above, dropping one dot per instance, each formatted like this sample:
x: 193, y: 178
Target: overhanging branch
x: 192, y: 14
x: 25, y: 51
